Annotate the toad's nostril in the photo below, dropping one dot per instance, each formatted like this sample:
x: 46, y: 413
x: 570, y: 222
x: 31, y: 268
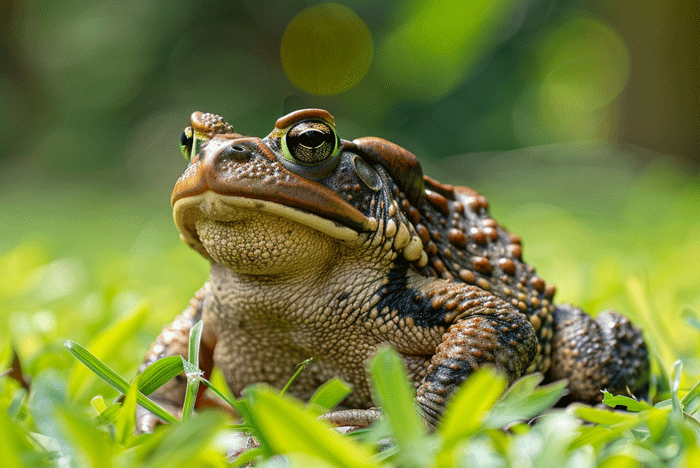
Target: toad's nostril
x: 237, y: 153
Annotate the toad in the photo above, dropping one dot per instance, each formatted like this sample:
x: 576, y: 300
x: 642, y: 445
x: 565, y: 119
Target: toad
x: 327, y: 248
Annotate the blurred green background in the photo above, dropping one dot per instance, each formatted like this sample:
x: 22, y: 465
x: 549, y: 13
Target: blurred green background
x: 578, y: 120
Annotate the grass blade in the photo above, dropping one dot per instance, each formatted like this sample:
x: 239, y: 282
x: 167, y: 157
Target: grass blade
x: 285, y: 426
x: 300, y: 368
x: 193, y: 375
x: 192, y: 371
x: 396, y: 398
x: 195, y: 339
x: 630, y: 403
x: 159, y: 373
x: 105, y: 344
x: 524, y: 400
x: 467, y: 409
x: 114, y: 379
x: 329, y: 395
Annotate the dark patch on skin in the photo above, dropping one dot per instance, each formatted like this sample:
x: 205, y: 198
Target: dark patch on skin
x: 396, y: 295
x: 343, y: 296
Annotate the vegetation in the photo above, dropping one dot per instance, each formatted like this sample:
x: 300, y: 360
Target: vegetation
x: 97, y: 92
x: 110, y: 282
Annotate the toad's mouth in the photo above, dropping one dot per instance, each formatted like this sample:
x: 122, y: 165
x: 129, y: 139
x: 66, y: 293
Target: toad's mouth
x: 233, y: 210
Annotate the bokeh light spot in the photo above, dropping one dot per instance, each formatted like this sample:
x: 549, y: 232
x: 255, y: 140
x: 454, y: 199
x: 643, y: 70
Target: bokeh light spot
x: 437, y: 43
x: 326, y: 49
x: 583, y: 65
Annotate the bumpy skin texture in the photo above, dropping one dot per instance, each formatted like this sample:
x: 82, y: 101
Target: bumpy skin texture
x: 331, y: 249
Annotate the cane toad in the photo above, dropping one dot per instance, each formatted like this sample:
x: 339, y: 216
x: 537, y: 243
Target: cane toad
x: 328, y: 248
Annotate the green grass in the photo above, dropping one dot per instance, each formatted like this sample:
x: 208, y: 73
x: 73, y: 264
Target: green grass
x: 107, y: 270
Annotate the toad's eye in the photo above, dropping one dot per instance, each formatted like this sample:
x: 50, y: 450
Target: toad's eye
x: 186, y: 142
x: 310, y: 142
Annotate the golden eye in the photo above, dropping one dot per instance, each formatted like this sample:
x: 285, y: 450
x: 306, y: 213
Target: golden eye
x: 310, y: 142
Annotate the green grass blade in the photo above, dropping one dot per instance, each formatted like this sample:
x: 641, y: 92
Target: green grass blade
x: 396, y: 397
x: 109, y: 415
x: 97, y: 366
x: 182, y: 445
x: 192, y: 371
x: 193, y: 375
x: 465, y: 412
x: 159, y: 373
x: 114, y: 379
x: 604, y: 416
x: 329, y: 395
x: 125, y: 422
x: 300, y: 368
x: 630, y: 403
x: 524, y: 400
x: 284, y: 425
x: 248, y: 456
x: 95, y: 445
x: 676, y: 385
x: 213, y: 388
x: 11, y: 441
x: 691, y: 401
x: 194, y: 342
x: 105, y: 344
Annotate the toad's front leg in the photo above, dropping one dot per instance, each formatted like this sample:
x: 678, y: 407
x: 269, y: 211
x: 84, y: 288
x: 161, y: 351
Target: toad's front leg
x: 487, y: 331
x: 174, y: 341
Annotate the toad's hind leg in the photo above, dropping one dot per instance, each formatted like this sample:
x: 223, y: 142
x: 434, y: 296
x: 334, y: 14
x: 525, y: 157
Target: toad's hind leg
x: 492, y: 333
x: 607, y: 353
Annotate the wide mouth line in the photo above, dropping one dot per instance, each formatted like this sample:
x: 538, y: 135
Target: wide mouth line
x: 221, y: 208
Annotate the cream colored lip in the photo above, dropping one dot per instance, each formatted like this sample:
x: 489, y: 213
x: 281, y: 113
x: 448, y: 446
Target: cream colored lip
x: 186, y: 211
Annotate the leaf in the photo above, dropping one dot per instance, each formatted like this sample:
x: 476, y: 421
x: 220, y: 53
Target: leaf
x: 190, y: 397
x: 283, y: 425
x: 329, y: 395
x: 468, y: 407
x: 396, y: 396
x: 300, y: 368
x: 657, y: 422
x: 192, y: 371
x: 105, y: 345
x: 194, y: 342
x: 178, y: 444
x: 524, y: 400
x: 159, y: 373
x: 691, y: 401
x: 223, y: 396
x: 675, y: 385
x: 94, y: 444
x: 621, y: 461
x: 249, y: 455
x: 125, y: 422
x: 114, y: 380
x: 630, y: 403
x: 109, y: 414
x: 11, y: 441
x: 98, y: 404
x: 603, y: 416
x: 610, y: 425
